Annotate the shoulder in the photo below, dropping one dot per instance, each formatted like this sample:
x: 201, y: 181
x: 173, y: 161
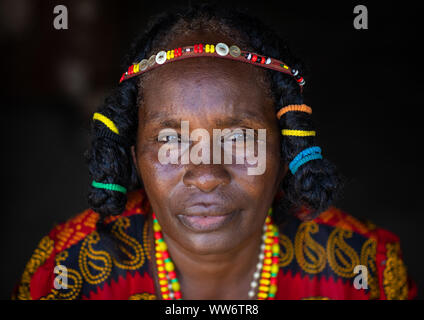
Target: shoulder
x: 79, y: 227
x: 339, y: 246
x: 79, y: 245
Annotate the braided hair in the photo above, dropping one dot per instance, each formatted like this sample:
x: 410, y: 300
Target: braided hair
x: 315, y: 184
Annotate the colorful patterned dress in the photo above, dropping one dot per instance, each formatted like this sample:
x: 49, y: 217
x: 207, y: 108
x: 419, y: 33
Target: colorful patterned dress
x: 317, y: 259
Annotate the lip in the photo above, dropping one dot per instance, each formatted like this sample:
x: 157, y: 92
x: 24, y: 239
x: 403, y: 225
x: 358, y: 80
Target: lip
x: 207, y: 221
x: 205, y: 209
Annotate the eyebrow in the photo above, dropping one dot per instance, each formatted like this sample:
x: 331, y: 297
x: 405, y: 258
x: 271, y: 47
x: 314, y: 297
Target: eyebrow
x: 246, y: 118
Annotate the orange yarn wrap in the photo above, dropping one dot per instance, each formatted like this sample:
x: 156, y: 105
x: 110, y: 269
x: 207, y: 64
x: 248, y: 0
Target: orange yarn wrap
x: 294, y: 107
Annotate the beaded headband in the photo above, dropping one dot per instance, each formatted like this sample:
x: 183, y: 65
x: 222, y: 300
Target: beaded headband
x: 220, y: 50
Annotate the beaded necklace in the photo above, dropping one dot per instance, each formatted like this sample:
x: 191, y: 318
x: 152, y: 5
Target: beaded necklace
x: 266, y: 269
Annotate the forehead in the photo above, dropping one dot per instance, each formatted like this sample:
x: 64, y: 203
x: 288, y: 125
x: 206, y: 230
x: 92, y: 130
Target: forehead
x: 212, y: 87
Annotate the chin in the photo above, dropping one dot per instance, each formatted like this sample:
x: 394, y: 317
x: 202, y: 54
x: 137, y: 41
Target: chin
x: 213, y: 242
x: 210, y: 234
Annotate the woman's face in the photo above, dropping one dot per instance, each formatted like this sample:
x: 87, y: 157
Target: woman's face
x: 207, y: 208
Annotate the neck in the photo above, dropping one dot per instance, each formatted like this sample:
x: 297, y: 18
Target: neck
x: 225, y: 275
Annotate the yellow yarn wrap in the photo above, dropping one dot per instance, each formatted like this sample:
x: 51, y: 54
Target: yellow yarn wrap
x: 106, y: 121
x: 298, y: 133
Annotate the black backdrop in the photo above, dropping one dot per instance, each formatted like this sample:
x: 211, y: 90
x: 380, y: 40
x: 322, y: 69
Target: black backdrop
x: 364, y: 85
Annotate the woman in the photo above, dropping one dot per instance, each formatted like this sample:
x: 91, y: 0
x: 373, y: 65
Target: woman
x: 160, y: 229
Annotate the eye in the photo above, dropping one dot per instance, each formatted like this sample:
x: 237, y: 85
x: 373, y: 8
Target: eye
x: 171, y: 137
x: 234, y: 136
x: 240, y: 135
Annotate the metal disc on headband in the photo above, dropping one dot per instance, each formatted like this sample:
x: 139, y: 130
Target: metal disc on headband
x: 143, y: 64
x: 151, y: 60
x: 222, y: 49
x: 161, y: 57
x: 235, y: 51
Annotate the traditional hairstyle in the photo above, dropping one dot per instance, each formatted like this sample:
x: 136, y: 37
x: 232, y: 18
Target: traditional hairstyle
x: 313, y: 185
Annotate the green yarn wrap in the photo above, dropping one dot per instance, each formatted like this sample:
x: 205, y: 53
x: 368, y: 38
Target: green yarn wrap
x: 109, y: 186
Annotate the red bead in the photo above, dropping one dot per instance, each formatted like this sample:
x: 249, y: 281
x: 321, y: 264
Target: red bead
x: 300, y: 80
x: 177, y: 295
x: 175, y: 52
x: 254, y: 58
x: 200, y: 48
x: 172, y: 274
x: 131, y: 69
x: 122, y: 78
x: 263, y: 60
x: 273, y: 281
x: 157, y: 235
x: 275, y: 260
x: 180, y: 51
x: 195, y: 48
x: 165, y: 255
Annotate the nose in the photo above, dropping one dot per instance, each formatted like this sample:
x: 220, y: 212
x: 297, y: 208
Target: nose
x: 206, y: 177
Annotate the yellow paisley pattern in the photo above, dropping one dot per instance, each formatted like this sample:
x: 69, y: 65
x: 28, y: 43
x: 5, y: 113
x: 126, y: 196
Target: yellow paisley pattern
x: 310, y: 255
x: 368, y: 256
x: 142, y: 296
x: 146, y: 242
x: 342, y: 258
x: 286, y: 251
x: 74, y: 286
x: 394, y: 275
x: 136, y: 257
x: 40, y: 255
x: 89, y: 258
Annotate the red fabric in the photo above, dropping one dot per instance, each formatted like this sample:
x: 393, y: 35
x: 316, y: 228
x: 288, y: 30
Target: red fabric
x: 123, y: 288
x: 42, y: 280
x: 296, y: 287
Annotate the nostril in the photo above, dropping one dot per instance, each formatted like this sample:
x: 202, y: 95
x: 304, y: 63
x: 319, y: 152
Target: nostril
x: 206, y: 178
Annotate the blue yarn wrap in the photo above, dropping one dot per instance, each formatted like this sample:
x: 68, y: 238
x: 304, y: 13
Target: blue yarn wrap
x: 311, y: 153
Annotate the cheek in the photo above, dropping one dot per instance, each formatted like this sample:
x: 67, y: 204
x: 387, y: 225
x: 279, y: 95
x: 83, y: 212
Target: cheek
x: 158, y: 180
x: 262, y: 187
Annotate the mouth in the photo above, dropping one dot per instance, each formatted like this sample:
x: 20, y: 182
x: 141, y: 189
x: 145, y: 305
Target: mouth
x: 206, y: 222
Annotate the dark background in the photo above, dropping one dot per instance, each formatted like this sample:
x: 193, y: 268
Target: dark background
x: 365, y: 87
